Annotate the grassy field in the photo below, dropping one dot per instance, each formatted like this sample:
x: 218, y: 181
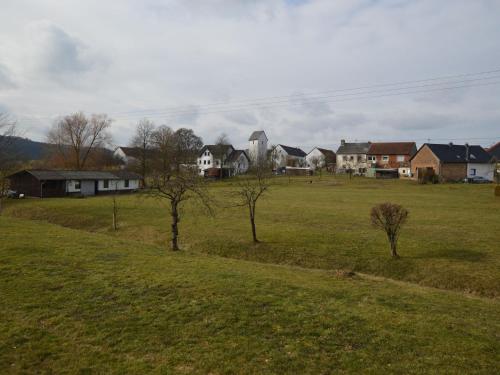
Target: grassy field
x: 80, y: 302
x: 451, y: 241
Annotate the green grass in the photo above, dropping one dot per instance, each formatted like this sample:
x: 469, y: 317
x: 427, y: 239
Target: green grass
x: 451, y: 241
x: 80, y: 302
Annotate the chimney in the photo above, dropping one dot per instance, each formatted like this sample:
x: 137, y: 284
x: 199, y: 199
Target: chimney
x: 342, y: 142
x: 450, y: 144
x: 466, y: 152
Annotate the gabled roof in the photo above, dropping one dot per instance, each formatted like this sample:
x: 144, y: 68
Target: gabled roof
x: 354, y: 148
x: 61, y: 175
x: 293, y: 151
x: 256, y: 135
x: 392, y: 148
x: 214, y: 149
x: 450, y: 153
x: 235, y: 155
x: 495, y: 150
x: 134, y: 152
x: 327, y: 153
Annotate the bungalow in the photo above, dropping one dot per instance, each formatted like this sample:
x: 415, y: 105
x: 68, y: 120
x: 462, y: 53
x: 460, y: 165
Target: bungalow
x: 233, y: 161
x: 394, y: 156
x: 321, y: 158
x: 55, y: 183
x: 452, y: 162
x: 352, y: 156
x: 286, y: 156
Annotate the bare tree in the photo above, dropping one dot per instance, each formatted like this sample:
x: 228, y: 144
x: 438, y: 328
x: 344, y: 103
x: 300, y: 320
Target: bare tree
x: 7, y: 157
x: 143, y: 140
x: 390, y: 218
x: 250, y: 188
x: 187, y: 146
x: 318, y: 163
x: 76, y: 137
x: 164, y: 143
x: 220, y: 150
x: 176, y: 189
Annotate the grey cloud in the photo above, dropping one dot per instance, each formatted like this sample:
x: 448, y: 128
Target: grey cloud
x: 243, y: 118
x: 6, y: 80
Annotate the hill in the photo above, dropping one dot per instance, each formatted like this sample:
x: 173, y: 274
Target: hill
x: 25, y: 149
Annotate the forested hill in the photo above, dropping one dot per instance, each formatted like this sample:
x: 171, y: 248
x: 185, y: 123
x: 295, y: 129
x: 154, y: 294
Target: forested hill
x: 26, y: 149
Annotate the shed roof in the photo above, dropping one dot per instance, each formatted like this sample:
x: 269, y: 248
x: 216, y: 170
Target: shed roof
x: 61, y: 175
x: 392, y: 148
x: 293, y: 151
x: 354, y: 148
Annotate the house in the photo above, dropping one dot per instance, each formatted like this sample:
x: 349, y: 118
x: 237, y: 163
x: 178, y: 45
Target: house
x: 353, y: 156
x: 233, y: 161
x: 128, y: 155
x: 257, y: 148
x: 393, y: 156
x: 321, y: 158
x: 494, y: 151
x: 286, y: 156
x: 60, y: 183
x: 452, y: 162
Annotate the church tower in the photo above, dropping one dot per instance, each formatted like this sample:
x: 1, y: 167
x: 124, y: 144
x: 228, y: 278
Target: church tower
x: 257, y: 147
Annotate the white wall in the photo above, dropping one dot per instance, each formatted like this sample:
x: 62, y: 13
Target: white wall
x: 204, y: 162
x: 354, y: 161
x: 482, y: 170
x: 315, y: 154
x: 257, y: 148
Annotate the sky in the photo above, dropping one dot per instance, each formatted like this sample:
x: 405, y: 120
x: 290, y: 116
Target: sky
x: 286, y: 67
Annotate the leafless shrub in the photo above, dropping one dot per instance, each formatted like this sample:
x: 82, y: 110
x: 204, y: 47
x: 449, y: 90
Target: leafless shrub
x: 390, y: 218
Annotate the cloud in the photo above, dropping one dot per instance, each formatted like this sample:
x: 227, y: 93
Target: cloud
x: 6, y: 79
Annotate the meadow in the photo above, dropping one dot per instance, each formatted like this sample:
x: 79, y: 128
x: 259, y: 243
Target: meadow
x: 80, y: 302
x: 451, y: 240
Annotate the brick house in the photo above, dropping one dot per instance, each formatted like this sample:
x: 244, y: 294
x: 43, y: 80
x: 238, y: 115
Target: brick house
x: 452, y: 162
x: 392, y: 155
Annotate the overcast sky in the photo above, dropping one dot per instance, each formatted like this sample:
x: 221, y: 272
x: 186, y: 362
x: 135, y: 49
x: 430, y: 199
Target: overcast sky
x: 167, y: 60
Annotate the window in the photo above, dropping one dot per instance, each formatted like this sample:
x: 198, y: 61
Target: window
x: 344, y: 158
x: 127, y: 183
x: 385, y: 158
x: 78, y: 185
x: 401, y: 158
x: 199, y: 161
x: 371, y: 158
x: 106, y: 184
x: 204, y: 162
x: 351, y: 158
x: 208, y: 162
x: 360, y: 158
x: 473, y: 171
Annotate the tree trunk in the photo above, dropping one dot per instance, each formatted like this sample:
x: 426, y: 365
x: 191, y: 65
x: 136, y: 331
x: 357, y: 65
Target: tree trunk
x: 175, y: 230
x: 252, y: 222
x: 1, y: 201
x: 394, y: 252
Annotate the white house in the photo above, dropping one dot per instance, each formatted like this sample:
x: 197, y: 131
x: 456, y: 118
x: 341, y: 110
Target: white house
x: 320, y: 158
x: 353, y: 156
x: 257, y: 148
x: 128, y: 155
x: 235, y: 161
x: 286, y: 156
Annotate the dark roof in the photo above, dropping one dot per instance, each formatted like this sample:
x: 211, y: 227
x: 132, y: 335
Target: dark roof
x: 450, y: 153
x: 256, y: 135
x: 235, y: 155
x: 44, y: 175
x: 328, y: 153
x: 213, y: 149
x: 354, y: 148
x: 392, y: 148
x: 495, y: 150
x: 134, y: 152
x: 293, y: 151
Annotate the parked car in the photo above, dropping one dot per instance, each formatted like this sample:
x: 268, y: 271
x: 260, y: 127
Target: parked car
x: 477, y: 180
x: 12, y: 194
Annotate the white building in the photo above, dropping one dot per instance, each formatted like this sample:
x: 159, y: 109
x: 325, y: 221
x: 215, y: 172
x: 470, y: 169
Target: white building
x: 353, y: 156
x: 320, y: 158
x: 234, y: 161
x: 128, y: 155
x: 286, y: 156
x: 257, y: 147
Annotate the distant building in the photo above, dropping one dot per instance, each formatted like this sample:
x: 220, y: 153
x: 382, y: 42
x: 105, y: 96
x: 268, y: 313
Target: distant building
x: 321, y: 158
x: 353, y: 156
x: 128, y: 155
x: 257, y: 146
x: 233, y: 161
x: 60, y: 183
x: 286, y: 156
x: 394, y: 156
x: 452, y: 162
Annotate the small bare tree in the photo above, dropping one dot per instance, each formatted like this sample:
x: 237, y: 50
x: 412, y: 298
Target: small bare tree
x: 76, y: 137
x: 176, y: 189
x: 390, y: 218
x: 7, y: 157
x: 250, y: 188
